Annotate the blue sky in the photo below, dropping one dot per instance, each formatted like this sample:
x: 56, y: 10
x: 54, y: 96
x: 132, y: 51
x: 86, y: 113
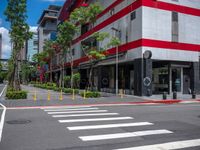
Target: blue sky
x: 34, y: 10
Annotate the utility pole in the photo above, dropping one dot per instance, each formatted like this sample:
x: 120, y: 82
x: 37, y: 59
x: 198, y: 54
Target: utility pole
x: 117, y: 61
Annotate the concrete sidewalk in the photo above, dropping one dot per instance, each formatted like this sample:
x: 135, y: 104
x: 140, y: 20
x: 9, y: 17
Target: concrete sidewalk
x: 42, y: 99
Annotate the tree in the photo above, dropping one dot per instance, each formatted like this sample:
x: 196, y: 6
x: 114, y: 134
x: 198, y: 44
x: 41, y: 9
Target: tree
x: 66, y: 32
x: 49, y: 48
x: 85, y: 15
x: 19, y: 32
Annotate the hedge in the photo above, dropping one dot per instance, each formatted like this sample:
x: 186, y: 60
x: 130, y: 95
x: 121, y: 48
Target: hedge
x: 16, y: 94
x: 52, y: 86
x: 90, y: 94
x: 70, y: 91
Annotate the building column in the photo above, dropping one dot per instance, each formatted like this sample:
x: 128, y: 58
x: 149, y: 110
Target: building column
x: 143, y: 77
x: 99, y: 78
x: 195, y: 78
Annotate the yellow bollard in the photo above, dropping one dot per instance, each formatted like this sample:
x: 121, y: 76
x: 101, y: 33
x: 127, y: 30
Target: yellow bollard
x: 73, y: 95
x: 61, y: 96
x: 84, y: 94
x: 121, y: 93
x: 49, y: 96
x: 35, y: 96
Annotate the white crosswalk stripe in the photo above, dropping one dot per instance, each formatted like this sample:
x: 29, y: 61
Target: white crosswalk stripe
x: 95, y: 119
x: 168, y: 146
x: 74, y: 112
x: 83, y: 115
x: 79, y: 114
x: 66, y: 109
x: 124, y: 135
x: 109, y: 126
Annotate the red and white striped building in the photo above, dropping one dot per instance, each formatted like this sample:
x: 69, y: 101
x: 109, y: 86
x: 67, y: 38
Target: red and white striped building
x: 160, y: 44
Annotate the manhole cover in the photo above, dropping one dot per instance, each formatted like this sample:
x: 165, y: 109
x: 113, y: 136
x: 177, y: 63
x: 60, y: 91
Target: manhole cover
x: 18, y: 121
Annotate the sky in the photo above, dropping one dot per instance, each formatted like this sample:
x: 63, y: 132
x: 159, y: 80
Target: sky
x: 34, y: 11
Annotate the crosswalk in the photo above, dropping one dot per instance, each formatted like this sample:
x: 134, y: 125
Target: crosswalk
x: 90, y: 118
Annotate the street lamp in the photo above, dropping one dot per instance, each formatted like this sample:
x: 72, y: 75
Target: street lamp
x: 117, y: 59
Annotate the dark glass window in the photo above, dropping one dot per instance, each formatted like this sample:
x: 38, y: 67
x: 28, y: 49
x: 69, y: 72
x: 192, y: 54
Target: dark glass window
x: 133, y: 15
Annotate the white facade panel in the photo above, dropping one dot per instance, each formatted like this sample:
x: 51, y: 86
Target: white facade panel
x: 189, y: 29
x: 156, y: 24
x: 172, y: 55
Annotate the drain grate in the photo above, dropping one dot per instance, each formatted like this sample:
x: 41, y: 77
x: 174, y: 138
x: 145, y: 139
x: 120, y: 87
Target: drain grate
x: 20, y: 121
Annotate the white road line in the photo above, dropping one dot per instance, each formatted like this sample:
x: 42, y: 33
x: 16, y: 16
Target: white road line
x: 2, y: 120
x: 75, y: 112
x: 94, y: 108
x: 70, y: 107
x: 124, y: 135
x: 109, y: 126
x: 83, y: 115
x: 95, y: 119
x: 3, y: 91
x: 167, y: 146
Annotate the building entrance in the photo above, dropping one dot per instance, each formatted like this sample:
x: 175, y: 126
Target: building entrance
x: 176, y: 79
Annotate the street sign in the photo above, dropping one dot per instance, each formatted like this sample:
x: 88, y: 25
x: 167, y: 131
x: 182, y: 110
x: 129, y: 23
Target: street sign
x: 147, y: 81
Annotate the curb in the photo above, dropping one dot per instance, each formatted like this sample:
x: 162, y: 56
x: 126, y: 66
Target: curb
x: 152, y: 102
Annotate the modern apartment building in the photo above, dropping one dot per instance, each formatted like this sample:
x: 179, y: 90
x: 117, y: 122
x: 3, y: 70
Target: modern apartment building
x: 32, y: 46
x: 47, y: 25
x: 159, y: 51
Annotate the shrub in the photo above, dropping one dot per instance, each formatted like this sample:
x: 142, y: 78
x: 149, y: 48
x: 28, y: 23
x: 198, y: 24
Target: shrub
x: 51, y: 84
x: 76, y: 79
x: 90, y: 94
x: 70, y: 91
x: 67, y: 80
x: 10, y: 94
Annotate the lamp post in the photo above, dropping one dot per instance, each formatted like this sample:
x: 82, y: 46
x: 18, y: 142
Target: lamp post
x: 117, y: 60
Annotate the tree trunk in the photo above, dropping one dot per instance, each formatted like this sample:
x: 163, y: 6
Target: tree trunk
x: 14, y: 82
x: 90, y: 86
x: 72, y: 72
x: 51, y: 69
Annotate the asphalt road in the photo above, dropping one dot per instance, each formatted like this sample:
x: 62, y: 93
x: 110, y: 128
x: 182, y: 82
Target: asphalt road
x: 42, y: 130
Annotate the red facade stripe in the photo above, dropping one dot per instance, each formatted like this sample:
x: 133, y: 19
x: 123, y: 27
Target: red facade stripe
x: 170, y: 45
x: 171, y: 7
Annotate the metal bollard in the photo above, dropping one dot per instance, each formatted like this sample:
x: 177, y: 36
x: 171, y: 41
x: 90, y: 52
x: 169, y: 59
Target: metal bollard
x: 48, y: 96
x: 193, y: 95
x: 164, y: 95
x: 174, y: 95
x: 148, y: 92
x: 35, y: 96
x: 61, y: 96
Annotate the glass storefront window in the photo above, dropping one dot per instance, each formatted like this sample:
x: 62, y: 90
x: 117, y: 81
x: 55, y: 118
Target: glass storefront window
x: 160, y: 80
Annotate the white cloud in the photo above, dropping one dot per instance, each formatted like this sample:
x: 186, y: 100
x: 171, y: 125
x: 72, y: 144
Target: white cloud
x: 33, y: 28
x: 6, y: 46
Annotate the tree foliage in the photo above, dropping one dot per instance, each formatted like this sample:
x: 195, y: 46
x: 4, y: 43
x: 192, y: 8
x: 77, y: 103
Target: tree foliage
x: 19, y: 32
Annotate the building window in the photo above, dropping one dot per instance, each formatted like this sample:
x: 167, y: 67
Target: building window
x: 73, y: 51
x: 175, y: 28
x: 84, y: 28
x: 133, y: 15
x: 112, y: 11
